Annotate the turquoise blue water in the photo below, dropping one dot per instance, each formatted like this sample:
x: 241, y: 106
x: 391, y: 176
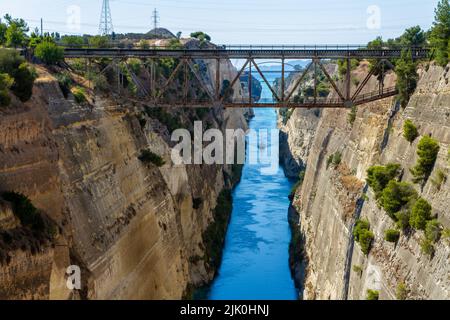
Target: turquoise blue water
x: 255, y: 258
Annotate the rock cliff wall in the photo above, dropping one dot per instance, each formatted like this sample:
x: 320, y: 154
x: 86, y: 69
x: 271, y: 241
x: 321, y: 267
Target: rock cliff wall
x: 133, y: 228
x: 331, y: 197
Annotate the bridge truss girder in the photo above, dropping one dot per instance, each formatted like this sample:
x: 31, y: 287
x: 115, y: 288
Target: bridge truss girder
x: 217, y: 94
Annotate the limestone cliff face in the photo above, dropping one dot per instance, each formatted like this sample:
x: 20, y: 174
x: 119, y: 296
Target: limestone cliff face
x: 330, y: 198
x: 131, y: 227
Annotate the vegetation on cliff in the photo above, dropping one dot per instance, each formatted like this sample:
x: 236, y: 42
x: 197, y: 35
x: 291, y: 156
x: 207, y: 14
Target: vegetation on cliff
x: 410, y: 131
x: 427, y: 150
x: 363, y: 235
x: 29, y: 215
x: 148, y: 156
x: 13, y: 65
x: 440, y: 33
x: 214, y: 235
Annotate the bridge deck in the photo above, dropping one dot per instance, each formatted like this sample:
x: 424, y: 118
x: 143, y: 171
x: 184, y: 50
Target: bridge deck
x: 255, y: 52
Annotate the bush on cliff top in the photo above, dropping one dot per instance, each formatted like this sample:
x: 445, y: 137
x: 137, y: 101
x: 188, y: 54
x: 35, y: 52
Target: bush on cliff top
x: 49, y: 52
x: 15, y: 66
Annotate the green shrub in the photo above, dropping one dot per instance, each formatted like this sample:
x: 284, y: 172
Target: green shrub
x: 99, y: 81
x: 395, y: 196
x: 15, y: 66
x: 352, y: 115
x: 410, y: 131
x: 363, y: 235
x: 379, y: 176
x: 334, y: 159
x: 421, y: 212
x: 5, y: 83
x: 149, y: 157
x: 49, y: 52
x: 64, y: 82
x: 79, y: 95
x: 402, y: 218
x: 401, y: 292
x: 446, y: 233
x: 358, y: 269
x: 427, y: 150
x: 391, y: 235
x: 433, y: 230
x: 99, y: 42
x: 439, y: 179
x: 426, y: 247
x: 73, y: 41
x: 26, y: 212
x: 372, y: 295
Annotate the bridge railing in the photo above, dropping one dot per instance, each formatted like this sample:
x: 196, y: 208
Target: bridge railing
x: 343, y: 47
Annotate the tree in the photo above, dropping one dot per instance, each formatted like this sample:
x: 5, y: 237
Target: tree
x: 49, y: 52
x: 421, y: 212
x: 395, y: 196
x: 99, y: 42
x: 440, y: 32
x: 427, y: 150
x: 407, y: 77
x: 14, y: 37
x: 413, y: 36
x: 16, y: 33
x: 73, y: 41
x: 410, y: 131
x: 363, y: 235
x: 15, y: 66
x: 3, y: 28
x: 391, y: 235
x: 433, y: 230
x: 379, y: 176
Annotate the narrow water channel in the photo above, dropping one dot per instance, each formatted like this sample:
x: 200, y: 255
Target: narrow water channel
x: 255, y: 257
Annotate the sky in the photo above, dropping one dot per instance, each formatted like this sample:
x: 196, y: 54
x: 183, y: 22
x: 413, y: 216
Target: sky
x: 236, y: 21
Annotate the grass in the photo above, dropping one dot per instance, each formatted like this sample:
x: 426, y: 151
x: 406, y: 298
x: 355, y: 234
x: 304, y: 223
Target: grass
x: 79, y: 95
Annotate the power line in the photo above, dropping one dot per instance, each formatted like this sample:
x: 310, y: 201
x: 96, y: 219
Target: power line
x: 106, y: 25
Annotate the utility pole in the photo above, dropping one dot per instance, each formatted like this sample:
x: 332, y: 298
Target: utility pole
x: 106, y: 25
x: 42, y: 27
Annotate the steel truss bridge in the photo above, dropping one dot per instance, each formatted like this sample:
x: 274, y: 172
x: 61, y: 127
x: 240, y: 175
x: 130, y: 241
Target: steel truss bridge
x: 220, y: 87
